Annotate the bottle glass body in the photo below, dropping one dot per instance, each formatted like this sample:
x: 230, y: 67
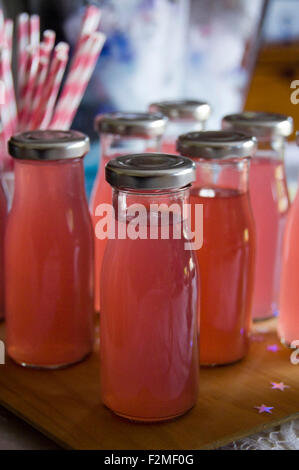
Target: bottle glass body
x: 3, y: 220
x: 270, y: 204
x: 288, y: 320
x: 226, y: 259
x: 112, y: 146
x: 149, y: 314
x: 49, y: 265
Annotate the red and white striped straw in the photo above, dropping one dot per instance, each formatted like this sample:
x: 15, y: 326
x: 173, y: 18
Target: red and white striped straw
x: 90, y: 24
x: 28, y: 88
x: 2, y: 34
x: 40, y: 82
x: 42, y: 116
x: 81, y: 70
x: 91, y: 20
x: 49, y: 37
x: 62, y: 48
x: 5, y: 129
x: 10, y: 100
x: 5, y: 118
x: 34, y: 22
x: 54, y: 87
x: 8, y: 33
x: 23, y: 41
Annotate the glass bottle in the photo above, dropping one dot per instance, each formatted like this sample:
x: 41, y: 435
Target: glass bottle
x: 49, y: 252
x: 149, y: 291
x: 120, y: 134
x: 288, y: 320
x: 3, y: 220
x: 226, y: 258
x: 183, y: 116
x: 270, y: 202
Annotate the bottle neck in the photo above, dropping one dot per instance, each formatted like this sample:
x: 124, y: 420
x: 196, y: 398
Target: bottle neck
x: 176, y: 128
x: 116, y: 145
x: 271, y: 148
x: 227, y: 174
x: 150, y: 203
x: 38, y: 181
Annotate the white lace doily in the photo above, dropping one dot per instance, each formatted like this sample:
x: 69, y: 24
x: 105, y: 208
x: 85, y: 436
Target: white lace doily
x: 284, y: 437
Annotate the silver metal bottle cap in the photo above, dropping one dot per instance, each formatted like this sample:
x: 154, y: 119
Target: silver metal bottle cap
x: 131, y: 124
x: 177, y: 110
x: 48, y: 145
x: 216, y: 144
x: 150, y: 171
x: 260, y: 124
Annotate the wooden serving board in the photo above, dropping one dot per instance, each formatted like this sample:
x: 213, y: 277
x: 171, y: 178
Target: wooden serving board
x: 66, y: 406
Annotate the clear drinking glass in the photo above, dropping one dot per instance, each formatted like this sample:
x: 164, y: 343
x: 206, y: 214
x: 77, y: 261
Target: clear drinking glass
x: 149, y: 292
x: 183, y: 116
x: 49, y: 252
x: 270, y: 202
x: 120, y: 134
x: 226, y: 259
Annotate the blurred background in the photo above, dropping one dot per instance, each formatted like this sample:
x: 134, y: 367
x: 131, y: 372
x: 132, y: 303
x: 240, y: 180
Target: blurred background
x: 236, y: 54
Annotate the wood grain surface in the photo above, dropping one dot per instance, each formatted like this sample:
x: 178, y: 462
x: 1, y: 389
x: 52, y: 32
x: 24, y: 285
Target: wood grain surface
x: 66, y: 406
x: 270, y: 89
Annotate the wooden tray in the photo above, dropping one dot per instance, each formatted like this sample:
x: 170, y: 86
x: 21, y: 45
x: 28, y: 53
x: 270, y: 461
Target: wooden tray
x: 66, y: 406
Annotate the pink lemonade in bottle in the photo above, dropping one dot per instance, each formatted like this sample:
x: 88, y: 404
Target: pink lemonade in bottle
x: 288, y: 321
x: 149, y: 294
x: 267, y: 178
x: 226, y: 258
x: 183, y: 116
x: 3, y: 216
x: 269, y: 200
x: 49, y: 252
x: 120, y: 134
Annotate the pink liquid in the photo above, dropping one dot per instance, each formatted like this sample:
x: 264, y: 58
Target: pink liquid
x: 270, y: 204
x: 169, y: 146
x: 288, y: 321
x: 49, y: 266
x: 102, y: 194
x: 3, y: 216
x: 149, y: 363
x: 226, y: 262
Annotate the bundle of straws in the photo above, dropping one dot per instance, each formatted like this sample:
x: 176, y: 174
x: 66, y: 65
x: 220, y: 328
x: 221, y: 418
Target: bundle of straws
x: 38, y: 101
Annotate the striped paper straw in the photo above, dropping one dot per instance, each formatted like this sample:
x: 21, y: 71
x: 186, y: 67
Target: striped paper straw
x: 28, y: 88
x: 90, y: 24
x: 40, y: 82
x: 5, y: 119
x: 23, y: 41
x: 34, y: 22
x: 54, y: 87
x: 2, y: 35
x: 62, y: 48
x: 41, y: 90
x: 8, y: 33
x: 42, y: 116
x: 10, y: 99
x: 91, y: 20
x: 81, y: 70
x: 49, y: 37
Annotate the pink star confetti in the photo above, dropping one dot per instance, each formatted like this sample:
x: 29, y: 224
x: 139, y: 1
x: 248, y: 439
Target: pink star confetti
x: 264, y: 409
x: 279, y: 386
x: 273, y: 348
